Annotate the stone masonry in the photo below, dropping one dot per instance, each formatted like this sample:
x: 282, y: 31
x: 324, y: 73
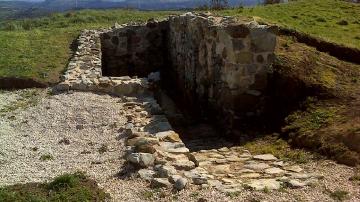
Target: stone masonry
x: 220, y: 64
x: 219, y: 61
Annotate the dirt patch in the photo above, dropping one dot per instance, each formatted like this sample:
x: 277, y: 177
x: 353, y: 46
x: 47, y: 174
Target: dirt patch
x: 20, y: 83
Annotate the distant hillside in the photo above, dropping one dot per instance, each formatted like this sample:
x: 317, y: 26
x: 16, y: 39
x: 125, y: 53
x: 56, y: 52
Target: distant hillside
x: 34, y: 8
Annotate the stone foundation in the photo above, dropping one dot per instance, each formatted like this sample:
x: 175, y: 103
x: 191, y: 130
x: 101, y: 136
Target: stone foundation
x: 208, y: 62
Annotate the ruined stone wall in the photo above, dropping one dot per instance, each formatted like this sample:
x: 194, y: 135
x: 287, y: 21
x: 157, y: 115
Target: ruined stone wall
x: 219, y: 63
x: 134, y: 49
x: 216, y: 66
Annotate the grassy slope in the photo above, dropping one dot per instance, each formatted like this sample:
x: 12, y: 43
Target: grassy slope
x: 315, y: 17
x: 40, y: 48
x: 328, y: 119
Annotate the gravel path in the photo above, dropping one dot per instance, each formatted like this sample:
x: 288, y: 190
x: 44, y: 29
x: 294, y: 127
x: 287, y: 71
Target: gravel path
x: 80, y: 131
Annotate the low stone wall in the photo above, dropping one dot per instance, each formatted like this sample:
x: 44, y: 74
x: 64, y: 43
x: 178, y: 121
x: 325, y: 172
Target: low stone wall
x: 220, y: 63
x: 84, y: 71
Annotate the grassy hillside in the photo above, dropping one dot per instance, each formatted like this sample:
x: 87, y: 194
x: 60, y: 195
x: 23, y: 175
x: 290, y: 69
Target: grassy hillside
x: 333, y: 20
x: 40, y: 48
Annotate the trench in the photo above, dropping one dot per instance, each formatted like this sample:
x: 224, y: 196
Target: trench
x: 196, y: 121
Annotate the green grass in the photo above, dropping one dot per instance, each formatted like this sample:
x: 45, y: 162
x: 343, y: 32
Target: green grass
x: 339, y: 195
x: 46, y: 157
x: 40, y: 48
x: 279, y: 148
x: 326, y: 19
x: 68, y: 187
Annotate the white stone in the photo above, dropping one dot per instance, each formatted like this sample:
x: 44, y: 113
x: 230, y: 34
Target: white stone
x: 257, y: 166
x: 296, y: 184
x: 160, y: 183
x: 261, y: 184
x: 184, y: 165
x: 265, y: 157
x: 250, y: 175
x: 165, y: 170
x: 146, y: 174
x: 274, y: 171
x: 295, y: 169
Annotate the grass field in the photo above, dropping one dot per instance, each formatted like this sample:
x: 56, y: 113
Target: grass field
x: 333, y: 20
x: 40, y: 48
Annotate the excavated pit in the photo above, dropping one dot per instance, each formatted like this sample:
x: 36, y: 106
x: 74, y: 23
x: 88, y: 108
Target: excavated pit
x: 216, y: 74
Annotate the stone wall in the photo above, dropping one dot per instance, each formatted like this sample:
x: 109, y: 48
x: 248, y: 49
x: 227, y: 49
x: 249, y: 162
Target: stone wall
x: 220, y: 65
x: 216, y: 66
x: 134, y: 50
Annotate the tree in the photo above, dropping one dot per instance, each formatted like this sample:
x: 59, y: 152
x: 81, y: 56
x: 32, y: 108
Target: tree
x: 218, y: 4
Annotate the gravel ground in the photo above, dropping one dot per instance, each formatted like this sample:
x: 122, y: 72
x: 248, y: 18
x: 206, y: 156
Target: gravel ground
x: 71, y: 128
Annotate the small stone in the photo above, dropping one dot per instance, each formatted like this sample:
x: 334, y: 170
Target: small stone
x: 265, y: 157
x: 142, y: 141
x: 199, y: 180
x: 146, y: 159
x: 228, y: 181
x: 246, y: 171
x: 146, y: 148
x: 300, y: 176
x: 256, y: 166
x: 274, y: 171
x: 262, y: 184
x: 181, y: 183
x: 216, y: 155
x: 142, y: 159
x: 160, y: 183
x: 220, y: 169
x: 133, y: 158
x: 221, y: 161
x: 174, y: 147
x: 235, y: 159
x: 250, y: 175
x: 168, y: 136
x: 184, y: 165
x: 174, y: 178
x: 279, y: 163
x: 296, y: 184
x: 214, y: 183
x: 165, y: 171
x: 224, y: 149
x: 146, y: 174
x: 144, y: 114
x: 295, y: 169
